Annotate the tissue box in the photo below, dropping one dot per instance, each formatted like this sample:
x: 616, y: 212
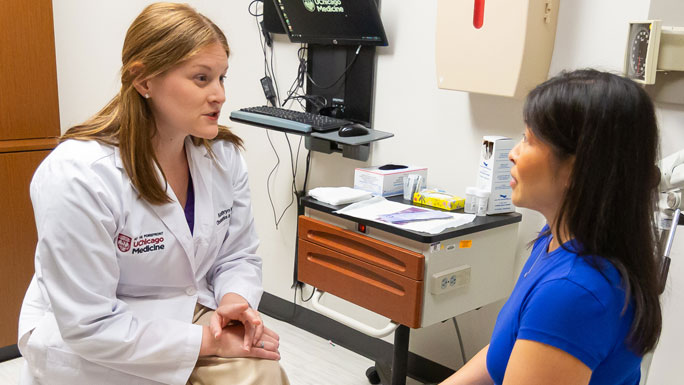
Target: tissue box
x: 494, y: 173
x: 385, y: 180
x: 439, y: 199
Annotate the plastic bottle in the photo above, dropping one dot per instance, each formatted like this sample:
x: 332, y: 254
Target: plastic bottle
x: 470, y: 200
x: 482, y: 199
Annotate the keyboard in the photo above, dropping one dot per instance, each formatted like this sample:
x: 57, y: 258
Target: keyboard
x: 288, y: 119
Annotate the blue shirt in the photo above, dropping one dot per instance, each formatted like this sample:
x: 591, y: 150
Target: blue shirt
x: 562, y: 300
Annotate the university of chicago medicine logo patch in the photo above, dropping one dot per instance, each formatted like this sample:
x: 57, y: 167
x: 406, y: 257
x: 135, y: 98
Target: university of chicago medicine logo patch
x: 123, y: 242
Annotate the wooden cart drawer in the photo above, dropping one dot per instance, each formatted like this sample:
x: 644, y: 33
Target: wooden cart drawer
x: 393, y: 258
x: 379, y: 290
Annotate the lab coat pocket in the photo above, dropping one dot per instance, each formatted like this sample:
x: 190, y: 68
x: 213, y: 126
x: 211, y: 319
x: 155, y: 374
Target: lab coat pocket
x: 62, y: 363
x: 34, y: 353
x: 43, y: 335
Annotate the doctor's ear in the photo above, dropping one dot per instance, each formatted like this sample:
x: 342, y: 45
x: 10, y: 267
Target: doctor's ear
x: 141, y: 84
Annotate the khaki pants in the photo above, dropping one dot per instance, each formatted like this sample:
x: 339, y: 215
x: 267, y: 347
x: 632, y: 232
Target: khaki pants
x: 233, y: 371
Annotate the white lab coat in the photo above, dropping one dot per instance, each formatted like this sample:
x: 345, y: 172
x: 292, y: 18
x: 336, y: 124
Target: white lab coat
x: 117, y: 279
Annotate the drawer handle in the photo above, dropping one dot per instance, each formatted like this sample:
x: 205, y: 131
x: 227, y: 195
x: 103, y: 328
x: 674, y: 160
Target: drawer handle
x: 356, y: 272
x: 348, y: 321
x: 346, y: 243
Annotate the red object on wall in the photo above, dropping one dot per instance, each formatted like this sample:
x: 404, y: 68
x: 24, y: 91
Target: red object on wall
x: 478, y: 14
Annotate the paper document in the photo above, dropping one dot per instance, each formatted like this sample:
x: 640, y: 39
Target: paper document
x: 412, y: 214
x: 377, y: 207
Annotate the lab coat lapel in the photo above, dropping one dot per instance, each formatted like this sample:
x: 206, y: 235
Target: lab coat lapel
x: 201, y: 168
x: 171, y: 214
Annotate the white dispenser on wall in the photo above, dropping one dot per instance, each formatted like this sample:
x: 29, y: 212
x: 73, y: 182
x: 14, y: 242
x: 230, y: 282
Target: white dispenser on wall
x: 497, y: 47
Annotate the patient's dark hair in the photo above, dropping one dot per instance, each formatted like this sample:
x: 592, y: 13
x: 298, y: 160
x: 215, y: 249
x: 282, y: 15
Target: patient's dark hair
x: 608, y: 124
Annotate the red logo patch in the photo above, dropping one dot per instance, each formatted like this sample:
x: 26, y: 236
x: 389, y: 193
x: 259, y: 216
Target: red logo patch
x: 124, y: 242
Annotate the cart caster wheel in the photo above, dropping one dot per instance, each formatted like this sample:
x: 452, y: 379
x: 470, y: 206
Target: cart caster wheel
x: 372, y: 375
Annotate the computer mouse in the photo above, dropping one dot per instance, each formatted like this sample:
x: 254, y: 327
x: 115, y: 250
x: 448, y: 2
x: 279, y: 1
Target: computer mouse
x: 354, y: 129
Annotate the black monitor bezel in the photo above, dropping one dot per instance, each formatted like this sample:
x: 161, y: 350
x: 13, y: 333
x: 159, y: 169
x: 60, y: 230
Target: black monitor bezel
x: 337, y: 41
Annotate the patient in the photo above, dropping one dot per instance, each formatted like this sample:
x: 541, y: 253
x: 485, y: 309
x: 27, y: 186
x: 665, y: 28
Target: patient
x: 585, y: 308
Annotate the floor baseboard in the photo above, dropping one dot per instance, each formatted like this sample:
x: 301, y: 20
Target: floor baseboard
x: 9, y: 352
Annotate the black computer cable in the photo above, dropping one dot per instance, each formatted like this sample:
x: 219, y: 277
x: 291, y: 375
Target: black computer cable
x: 316, y: 101
x: 269, y: 78
x: 342, y: 75
x: 264, y: 36
x: 268, y: 180
x: 460, y: 340
x: 294, y: 194
x: 256, y: 14
x: 293, y: 165
x: 256, y: 9
x: 275, y: 82
x: 301, y: 294
x: 306, y: 171
x: 293, y: 92
x: 298, y: 82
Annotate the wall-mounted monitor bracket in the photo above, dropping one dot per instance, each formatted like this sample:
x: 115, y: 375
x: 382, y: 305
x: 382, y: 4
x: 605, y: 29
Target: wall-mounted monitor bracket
x: 345, y: 77
x: 353, y: 89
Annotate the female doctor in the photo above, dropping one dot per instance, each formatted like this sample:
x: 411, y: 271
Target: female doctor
x: 145, y: 226
x: 585, y: 307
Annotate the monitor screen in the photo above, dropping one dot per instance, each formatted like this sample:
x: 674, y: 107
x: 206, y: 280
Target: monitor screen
x: 350, y: 22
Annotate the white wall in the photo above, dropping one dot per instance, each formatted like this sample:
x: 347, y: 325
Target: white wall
x: 435, y: 128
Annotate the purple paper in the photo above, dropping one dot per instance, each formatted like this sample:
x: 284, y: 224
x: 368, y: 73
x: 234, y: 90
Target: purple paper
x: 412, y: 214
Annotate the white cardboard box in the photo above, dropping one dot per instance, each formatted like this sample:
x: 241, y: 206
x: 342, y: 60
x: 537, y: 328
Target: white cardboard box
x: 385, y: 182
x: 494, y: 173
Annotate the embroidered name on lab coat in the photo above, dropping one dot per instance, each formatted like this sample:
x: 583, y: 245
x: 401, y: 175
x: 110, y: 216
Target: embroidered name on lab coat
x: 223, y: 215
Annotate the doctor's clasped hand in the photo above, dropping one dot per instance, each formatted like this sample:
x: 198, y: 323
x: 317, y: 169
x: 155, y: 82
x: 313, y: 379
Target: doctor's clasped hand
x: 247, y: 338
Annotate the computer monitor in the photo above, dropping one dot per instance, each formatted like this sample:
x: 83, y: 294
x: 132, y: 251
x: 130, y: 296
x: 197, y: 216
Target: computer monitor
x: 336, y: 22
x: 272, y: 22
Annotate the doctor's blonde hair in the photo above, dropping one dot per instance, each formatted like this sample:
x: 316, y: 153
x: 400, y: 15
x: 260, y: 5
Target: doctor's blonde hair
x: 161, y: 37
